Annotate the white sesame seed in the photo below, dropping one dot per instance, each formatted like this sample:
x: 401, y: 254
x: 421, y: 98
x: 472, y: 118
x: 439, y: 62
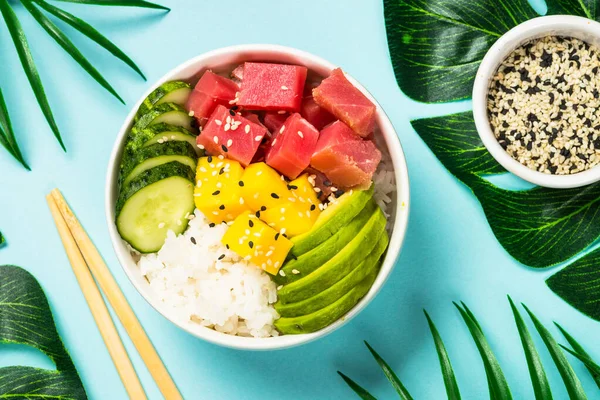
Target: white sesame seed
x: 295, y: 271
x: 284, y: 88
x: 201, y: 147
x: 218, y: 122
x: 258, y: 138
x: 161, y: 225
x: 301, y: 134
x: 191, y: 113
x: 216, y: 139
x: 280, y: 271
x: 282, y: 129
x: 247, y: 128
x: 281, y: 112
x: 229, y: 143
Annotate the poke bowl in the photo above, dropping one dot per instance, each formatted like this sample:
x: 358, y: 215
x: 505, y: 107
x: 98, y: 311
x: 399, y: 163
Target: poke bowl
x: 257, y: 197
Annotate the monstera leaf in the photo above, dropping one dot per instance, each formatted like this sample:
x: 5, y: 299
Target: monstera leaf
x: 497, y: 383
x: 25, y: 318
x: 436, y: 47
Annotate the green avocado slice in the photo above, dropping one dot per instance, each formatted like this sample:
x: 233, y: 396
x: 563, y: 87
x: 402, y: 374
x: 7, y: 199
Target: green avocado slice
x: 313, y: 259
x: 328, y: 315
x: 340, y: 265
x: 332, y: 219
x: 335, y: 292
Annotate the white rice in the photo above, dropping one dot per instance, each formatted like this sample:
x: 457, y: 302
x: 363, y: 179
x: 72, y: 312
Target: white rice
x: 385, y: 186
x: 229, y: 295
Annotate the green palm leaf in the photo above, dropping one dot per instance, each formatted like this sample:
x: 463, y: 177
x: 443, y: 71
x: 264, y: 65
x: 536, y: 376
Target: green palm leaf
x: 68, y: 46
x: 120, y: 3
x: 496, y: 380
x: 361, y: 392
x: 20, y: 42
x: 90, y: 32
x: 578, y: 348
x: 447, y: 371
x: 586, y: 360
x: 390, y: 375
x: 541, y: 387
x: 571, y: 381
x: 7, y: 135
x: 2, y: 240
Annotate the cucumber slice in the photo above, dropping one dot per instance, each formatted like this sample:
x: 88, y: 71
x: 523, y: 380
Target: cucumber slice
x: 157, y: 154
x: 170, y: 92
x: 163, y: 132
x: 153, y: 203
x: 169, y: 113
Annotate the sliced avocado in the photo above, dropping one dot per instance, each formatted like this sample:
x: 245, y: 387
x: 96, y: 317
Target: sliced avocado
x: 335, y: 292
x: 333, y: 218
x: 313, y: 259
x: 338, y: 266
x: 328, y: 315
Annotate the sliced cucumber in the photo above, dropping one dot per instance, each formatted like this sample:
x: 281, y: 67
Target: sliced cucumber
x: 157, y: 154
x: 153, y: 203
x: 170, y: 92
x: 158, y: 133
x: 169, y: 113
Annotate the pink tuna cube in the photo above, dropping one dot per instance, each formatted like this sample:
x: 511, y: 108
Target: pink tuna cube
x: 232, y: 136
x: 272, y: 86
x: 292, y: 146
x: 346, y: 159
x: 338, y: 96
x: 210, y: 91
x: 314, y: 114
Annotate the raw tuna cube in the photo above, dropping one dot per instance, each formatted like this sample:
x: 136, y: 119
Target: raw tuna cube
x: 314, y: 114
x: 346, y: 159
x: 272, y: 86
x: 232, y: 136
x: 273, y: 120
x: 210, y: 91
x: 338, y: 96
x: 238, y: 73
x: 292, y: 146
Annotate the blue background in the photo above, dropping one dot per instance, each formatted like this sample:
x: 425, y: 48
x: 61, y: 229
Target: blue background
x: 450, y: 252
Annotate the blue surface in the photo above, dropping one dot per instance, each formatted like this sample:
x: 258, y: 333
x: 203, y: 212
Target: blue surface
x: 449, y: 254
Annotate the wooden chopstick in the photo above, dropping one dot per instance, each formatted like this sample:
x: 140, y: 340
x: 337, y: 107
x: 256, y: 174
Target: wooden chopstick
x: 92, y: 295
x: 117, y: 300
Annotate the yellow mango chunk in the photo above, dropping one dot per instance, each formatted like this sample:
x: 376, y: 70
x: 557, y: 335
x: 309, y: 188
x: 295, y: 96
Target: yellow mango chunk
x: 290, y: 217
x: 218, y: 193
x: 307, y: 199
x: 263, y: 187
x: 255, y: 241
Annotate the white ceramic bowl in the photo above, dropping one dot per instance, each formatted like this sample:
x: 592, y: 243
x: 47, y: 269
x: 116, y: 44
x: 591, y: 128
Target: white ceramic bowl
x: 390, y: 146
x: 557, y: 25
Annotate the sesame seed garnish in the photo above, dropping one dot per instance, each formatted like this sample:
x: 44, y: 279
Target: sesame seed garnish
x: 193, y: 240
x: 247, y: 231
x: 277, y: 263
x: 301, y: 135
x: 257, y: 214
x: 212, y: 224
x: 202, y: 169
x: 279, y: 287
x: 277, y: 236
x: 274, y: 141
x: 216, y: 192
x: 292, y: 187
x: 191, y: 113
x: 218, y: 122
x: 274, y: 195
x: 282, y: 231
x: 201, y: 147
x: 263, y: 208
x: 284, y: 88
x: 161, y: 225
x: 295, y: 271
x: 259, y: 173
x: 312, y: 207
x: 280, y: 271
x: 222, y: 256
x: 269, y: 253
x: 241, y: 183
x: 258, y: 138
x: 241, y: 200
x: 178, y: 222
x: 216, y: 139
x: 224, y: 148
x: 282, y: 129
x: 281, y: 112
x: 222, y: 207
x: 160, y: 141
x: 250, y: 223
x: 247, y: 128
x: 251, y: 243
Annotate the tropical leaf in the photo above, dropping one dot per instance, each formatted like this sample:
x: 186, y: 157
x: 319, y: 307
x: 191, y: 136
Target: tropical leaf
x: 496, y: 380
x: 120, y: 3
x: 586, y: 360
x: 436, y: 46
x: 361, y: 392
x: 541, y: 387
x: 569, y: 377
x: 583, y: 8
x: 90, y: 32
x: 578, y: 348
x: 390, y: 375
x: 25, y: 318
x: 7, y: 135
x: 578, y: 285
x: 2, y: 240
x: 20, y: 41
x: 540, y: 227
x: 68, y: 46
x: 447, y: 371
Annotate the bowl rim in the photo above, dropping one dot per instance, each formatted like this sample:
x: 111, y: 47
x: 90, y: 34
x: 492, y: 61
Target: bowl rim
x: 578, y: 27
x: 396, y: 240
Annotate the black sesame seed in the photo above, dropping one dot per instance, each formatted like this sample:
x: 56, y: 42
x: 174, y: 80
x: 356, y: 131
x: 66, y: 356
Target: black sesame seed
x: 222, y: 207
x: 505, y: 124
x: 339, y: 193
x: 257, y: 214
x: 263, y: 208
x: 277, y: 236
x: 326, y: 182
x: 241, y: 183
x: 231, y: 112
x: 532, y: 117
x: 222, y: 256
x: 193, y: 240
x: 251, y: 244
x: 250, y: 223
x: 234, y: 108
x: 312, y: 207
x: 292, y: 187
x: 551, y: 96
x: 224, y: 148
x: 222, y: 171
x: 211, y: 225
x: 216, y: 192
x: 274, y: 195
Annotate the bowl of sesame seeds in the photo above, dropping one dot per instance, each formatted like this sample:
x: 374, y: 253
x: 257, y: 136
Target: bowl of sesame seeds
x: 536, y: 101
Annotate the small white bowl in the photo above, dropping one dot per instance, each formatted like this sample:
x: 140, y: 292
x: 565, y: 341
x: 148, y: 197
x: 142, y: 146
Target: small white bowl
x: 557, y: 25
x: 389, y: 144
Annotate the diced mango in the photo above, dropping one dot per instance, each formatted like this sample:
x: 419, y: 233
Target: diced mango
x: 307, y: 200
x: 289, y: 217
x: 218, y: 193
x: 257, y: 242
x: 263, y: 187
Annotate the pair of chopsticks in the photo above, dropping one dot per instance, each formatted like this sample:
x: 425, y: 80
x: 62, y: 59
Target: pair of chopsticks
x: 87, y: 264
